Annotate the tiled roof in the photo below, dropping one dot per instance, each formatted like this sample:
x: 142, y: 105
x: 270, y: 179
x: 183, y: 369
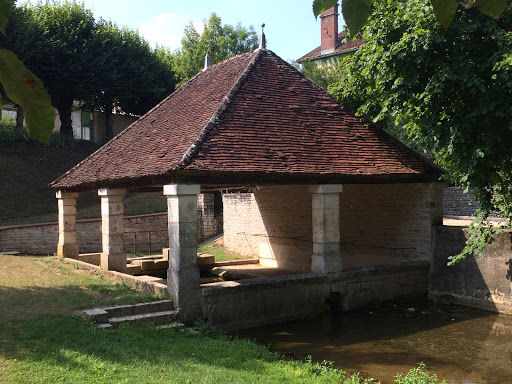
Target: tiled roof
x: 253, y: 113
x: 343, y: 46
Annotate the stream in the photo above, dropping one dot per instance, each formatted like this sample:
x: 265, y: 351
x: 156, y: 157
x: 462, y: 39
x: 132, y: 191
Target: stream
x: 458, y: 344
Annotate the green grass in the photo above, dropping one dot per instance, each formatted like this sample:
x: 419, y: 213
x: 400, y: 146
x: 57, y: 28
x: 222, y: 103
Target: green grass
x: 41, y: 341
x: 219, y: 252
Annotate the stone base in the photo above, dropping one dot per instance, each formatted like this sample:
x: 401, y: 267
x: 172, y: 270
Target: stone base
x: 190, y: 314
x: 67, y: 250
x: 114, y: 262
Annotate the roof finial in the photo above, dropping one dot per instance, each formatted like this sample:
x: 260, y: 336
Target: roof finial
x: 206, y: 61
x: 263, y: 41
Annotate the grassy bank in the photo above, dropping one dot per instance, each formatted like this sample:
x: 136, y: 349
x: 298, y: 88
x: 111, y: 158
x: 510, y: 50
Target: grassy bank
x: 26, y: 169
x: 41, y: 341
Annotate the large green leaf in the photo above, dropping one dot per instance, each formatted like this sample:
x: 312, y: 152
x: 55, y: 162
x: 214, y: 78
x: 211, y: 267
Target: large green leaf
x: 356, y: 13
x: 321, y: 5
x: 493, y: 8
x: 5, y: 10
x: 445, y: 11
x: 25, y: 89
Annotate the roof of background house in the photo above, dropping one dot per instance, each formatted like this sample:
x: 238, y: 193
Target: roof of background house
x: 250, y: 114
x: 343, y: 46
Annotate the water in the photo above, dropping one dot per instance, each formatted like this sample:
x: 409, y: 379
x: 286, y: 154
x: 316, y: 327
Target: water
x: 458, y: 344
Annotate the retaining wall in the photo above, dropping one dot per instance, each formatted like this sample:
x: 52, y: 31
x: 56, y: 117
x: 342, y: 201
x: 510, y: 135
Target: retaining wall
x: 481, y: 283
x: 42, y: 239
x: 254, y: 302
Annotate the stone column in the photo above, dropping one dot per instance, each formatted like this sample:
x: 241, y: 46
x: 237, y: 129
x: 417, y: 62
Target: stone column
x: 113, y: 257
x: 67, y: 246
x: 326, y: 228
x: 183, y: 274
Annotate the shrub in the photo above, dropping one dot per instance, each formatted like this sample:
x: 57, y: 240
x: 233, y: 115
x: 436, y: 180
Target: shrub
x: 418, y: 376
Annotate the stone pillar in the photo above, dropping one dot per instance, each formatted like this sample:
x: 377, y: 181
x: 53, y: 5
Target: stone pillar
x: 183, y: 275
x: 67, y: 246
x: 113, y: 257
x: 326, y: 228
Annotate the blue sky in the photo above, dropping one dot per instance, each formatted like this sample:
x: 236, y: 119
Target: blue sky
x: 291, y: 28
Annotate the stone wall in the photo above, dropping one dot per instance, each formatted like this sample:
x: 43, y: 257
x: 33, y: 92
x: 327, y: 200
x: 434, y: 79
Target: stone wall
x: 481, y: 283
x: 254, y: 302
x: 458, y: 203
x: 42, y: 239
x: 273, y: 223
x: 380, y: 224
x: 389, y: 220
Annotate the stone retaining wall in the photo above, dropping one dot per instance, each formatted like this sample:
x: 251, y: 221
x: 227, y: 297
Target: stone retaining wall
x: 42, y: 239
x: 481, y: 283
x: 254, y: 302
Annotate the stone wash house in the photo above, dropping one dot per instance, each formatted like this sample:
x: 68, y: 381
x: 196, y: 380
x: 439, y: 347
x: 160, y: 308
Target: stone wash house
x: 342, y: 209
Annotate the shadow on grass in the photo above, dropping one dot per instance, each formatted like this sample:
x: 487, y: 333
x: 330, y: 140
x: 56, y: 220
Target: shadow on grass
x: 41, y: 342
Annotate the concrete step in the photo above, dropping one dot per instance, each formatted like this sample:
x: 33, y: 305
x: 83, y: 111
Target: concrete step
x: 156, y: 318
x: 102, y: 315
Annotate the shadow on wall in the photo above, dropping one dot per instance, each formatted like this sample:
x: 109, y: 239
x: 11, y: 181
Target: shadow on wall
x: 286, y: 216
x: 480, y: 283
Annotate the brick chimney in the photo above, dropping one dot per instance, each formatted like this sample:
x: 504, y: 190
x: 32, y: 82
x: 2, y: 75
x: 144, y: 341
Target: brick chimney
x: 329, y: 26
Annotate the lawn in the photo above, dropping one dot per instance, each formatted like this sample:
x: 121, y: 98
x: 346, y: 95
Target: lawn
x: 41, y: 341
x: 221, y: 254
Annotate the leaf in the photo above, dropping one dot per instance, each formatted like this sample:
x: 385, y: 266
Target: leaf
x: 356, y: 13
x: 493, y: 8
x: 445, y: 11
x: 322, y: 5
x: 25, y: 89
x: 5, y: 10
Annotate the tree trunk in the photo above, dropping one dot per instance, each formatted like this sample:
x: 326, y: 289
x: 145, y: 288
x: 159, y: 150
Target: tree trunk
x: 109, y: 123
x: 66, y: 127
x: 19, y: 122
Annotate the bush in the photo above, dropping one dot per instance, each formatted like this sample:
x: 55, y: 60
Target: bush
x: 418, y: 376
x: 8, y: 130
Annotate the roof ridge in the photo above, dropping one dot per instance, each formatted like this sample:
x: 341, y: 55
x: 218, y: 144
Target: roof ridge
x: 143, y: 117
x: 226, y: 100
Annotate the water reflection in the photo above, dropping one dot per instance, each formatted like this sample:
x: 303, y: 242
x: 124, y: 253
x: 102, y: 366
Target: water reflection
x: 458, y: 344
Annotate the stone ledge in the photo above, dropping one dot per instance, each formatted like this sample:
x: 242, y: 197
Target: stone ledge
x: 262, y: 283
x: 156, y: 288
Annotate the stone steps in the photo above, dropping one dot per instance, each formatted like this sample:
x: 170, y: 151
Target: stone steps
x: 158, y: 313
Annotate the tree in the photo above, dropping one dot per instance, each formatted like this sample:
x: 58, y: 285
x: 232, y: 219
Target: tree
x: 451, y: 92
x: 23, y: 88
x: 133, y: 76
x: 219, y: 41
x: 323, y: 75
x: 356, y: 12
x: 56, y: 42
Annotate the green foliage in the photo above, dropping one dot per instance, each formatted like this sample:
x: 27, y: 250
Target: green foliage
x: 418, y: 376
x: 79, y: 58
x: 326, y: 74
x: 356, y: 12
x: 21, y: 86
x: 29, y: 93
x: 450, y: 91
x: 219, y: 41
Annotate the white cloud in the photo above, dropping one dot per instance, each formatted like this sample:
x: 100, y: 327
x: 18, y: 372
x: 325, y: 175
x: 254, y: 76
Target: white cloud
x: 167, y: 30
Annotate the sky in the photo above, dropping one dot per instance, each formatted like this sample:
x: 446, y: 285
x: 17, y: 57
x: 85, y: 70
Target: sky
x: 290, y: 27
